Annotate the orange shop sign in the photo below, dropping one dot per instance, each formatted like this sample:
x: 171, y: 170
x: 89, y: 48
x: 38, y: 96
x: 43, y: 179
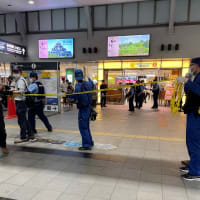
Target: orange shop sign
x: 169, y: 93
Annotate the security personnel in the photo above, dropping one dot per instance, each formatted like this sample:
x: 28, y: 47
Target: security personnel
x: 192, y: 109
x: 21, y: 107
x: 84, y: 102
x: 37, y: 107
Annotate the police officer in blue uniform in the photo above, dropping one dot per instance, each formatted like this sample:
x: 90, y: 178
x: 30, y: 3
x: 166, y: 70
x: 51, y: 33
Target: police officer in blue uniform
x: 37, y: 107
x: 192, y: 109
x: 84, y: 102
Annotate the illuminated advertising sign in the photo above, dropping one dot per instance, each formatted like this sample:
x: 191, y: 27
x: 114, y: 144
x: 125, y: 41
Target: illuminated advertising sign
x: 56, y: 48
x: 131, y: 45
x: 10, y: 48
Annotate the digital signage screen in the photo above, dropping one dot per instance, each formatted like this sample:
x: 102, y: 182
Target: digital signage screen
x: 131, y: 45
x: 56, y: 48
x: 11, y: 48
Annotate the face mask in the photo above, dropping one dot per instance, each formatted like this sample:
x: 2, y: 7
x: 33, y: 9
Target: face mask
x: 31, y: 80
x: 17, y: 76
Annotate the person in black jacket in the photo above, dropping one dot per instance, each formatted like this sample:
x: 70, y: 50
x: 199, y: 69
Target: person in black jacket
x: 103, y: 94
x: 3, y: 134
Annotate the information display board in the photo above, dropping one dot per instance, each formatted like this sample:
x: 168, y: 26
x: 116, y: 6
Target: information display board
x: 56, y: 48
x: 131, y: 45
x: 11, y: 48
x: 48, y: 75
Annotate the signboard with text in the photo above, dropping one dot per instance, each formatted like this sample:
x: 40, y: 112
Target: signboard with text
x: 11, y: 48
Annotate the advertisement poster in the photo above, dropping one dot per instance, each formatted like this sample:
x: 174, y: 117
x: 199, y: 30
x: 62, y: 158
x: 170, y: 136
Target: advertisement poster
x: 169, y: 93
x: 56, y: 48
x: 132, y: 45
x: 70, y: 75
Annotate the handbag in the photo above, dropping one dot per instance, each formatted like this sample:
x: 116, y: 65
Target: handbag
x: 93, y: 115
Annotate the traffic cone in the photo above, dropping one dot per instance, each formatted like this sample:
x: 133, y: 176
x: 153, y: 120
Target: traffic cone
x: 11, y: 109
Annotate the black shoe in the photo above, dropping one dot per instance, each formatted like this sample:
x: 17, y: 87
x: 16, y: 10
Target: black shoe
x: 184, y: 169
x: 84, y: 148
x: 189, y: 177
x: 50, y: 130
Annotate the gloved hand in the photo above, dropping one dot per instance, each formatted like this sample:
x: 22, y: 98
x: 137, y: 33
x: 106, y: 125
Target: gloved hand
x: 180, y: 79
x: 188, y: 76
x: 87, y: 74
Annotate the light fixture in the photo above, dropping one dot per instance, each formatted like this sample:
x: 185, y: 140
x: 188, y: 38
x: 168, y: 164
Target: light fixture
x: 31, y: 2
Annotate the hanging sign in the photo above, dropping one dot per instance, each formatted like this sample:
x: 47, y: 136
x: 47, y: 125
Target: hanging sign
x: 10, y: 48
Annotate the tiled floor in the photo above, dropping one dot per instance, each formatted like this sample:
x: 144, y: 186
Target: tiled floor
x: 144, y: 166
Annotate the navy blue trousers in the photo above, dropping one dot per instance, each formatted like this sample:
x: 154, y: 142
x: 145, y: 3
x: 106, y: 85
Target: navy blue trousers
x: 38, y: 109
x: 193, y: 143
x: 84, y: 127
x: 25, y: 128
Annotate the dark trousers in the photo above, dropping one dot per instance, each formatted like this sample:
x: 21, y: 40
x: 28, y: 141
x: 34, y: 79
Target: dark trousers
x: 103, y: 100
x: 131, y: 105
x: 25, y: 128
x: 2, y: 129
x: 193, y: 143
x: 139, y: 101
x: 155, y: 100
x: 84, y: 127
x: 37, y: 109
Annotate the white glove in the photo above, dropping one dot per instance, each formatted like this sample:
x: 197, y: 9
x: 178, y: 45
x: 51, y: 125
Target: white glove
x: 180, y: 79
x: 188, y: 76
x: 88, y: 76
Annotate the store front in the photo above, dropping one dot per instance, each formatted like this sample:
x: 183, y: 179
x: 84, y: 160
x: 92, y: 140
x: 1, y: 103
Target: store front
x: 124, y: 72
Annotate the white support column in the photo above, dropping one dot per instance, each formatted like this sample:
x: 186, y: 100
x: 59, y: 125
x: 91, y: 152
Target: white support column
x: 88, y: 16
x: 172, y: 16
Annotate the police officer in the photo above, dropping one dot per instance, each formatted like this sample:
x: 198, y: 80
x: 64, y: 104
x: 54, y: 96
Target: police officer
x: 83, y: 104
x: 192, y: 109
x: 21, y: 107
x: 37, y: 107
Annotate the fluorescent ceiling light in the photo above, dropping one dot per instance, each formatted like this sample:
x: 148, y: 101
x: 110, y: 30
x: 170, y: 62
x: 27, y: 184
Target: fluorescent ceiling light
x: 31, y: 2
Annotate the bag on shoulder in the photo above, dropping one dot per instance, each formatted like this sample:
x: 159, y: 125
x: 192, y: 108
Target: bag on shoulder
x: 93, y: 115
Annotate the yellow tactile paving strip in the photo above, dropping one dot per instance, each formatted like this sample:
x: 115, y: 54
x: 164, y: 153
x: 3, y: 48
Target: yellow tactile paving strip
x: 112, y: 134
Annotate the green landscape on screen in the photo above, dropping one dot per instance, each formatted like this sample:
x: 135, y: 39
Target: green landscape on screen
x: 130, y: 46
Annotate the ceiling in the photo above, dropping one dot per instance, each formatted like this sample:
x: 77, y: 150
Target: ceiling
x: 22, y: 5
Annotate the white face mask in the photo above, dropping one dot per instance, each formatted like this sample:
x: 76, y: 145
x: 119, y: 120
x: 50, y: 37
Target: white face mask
x: 17, y: 76
x: 31, y: 80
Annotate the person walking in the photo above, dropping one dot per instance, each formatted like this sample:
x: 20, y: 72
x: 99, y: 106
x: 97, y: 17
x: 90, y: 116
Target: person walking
x: 155, y: 90
x: 37, y: 108
x: 21, y: 88
x: 84, y: 102
x: 192, y: 109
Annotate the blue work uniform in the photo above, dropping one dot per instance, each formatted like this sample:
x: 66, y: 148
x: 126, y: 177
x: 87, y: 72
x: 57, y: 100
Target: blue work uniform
x: 193, y: 130
x: 37, y: 109
x: 83, y: 104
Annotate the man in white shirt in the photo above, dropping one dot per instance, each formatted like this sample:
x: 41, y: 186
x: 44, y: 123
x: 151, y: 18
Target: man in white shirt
x: 21, y: 107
